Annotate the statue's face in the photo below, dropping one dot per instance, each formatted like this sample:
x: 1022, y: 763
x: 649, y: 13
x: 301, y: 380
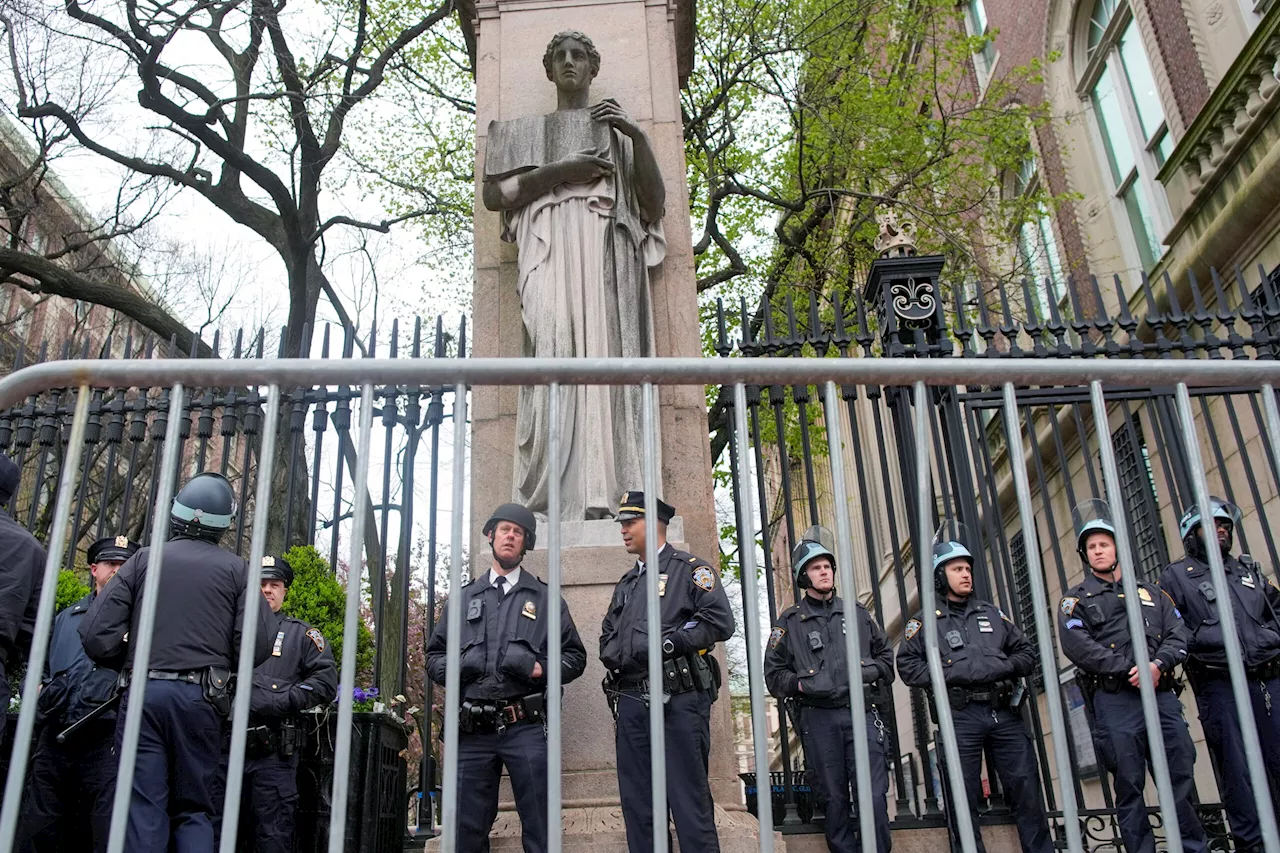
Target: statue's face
x: 571, y: 66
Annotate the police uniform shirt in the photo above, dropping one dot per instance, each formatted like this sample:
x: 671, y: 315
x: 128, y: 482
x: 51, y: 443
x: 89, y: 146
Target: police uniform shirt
x: 300, y: 673
x: 979, y: 646
x: 1254, y: 600
x: 199, y: 613
x: 1094, y: 627
x: 694, y: 607
x: 83, y: 684
x: 22, y: 562
x: 807, y: 645
x: 503, y: 636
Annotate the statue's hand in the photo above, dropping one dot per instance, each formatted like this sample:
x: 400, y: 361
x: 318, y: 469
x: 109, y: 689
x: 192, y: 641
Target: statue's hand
x: 609, y: 112
x: 583, y: 167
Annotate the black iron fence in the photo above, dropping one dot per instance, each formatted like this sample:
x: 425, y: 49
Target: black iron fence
x: 907, y: 310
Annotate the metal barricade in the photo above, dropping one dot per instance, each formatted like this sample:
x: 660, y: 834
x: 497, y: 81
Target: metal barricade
x: 827, y: 374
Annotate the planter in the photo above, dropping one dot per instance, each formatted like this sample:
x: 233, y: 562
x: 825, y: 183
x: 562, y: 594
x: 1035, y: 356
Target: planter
x: 376, y: 814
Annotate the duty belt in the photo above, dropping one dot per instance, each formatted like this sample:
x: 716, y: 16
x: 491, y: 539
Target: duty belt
x: 874, y: 694
x: 996, y: 695
x: 1115, y: 682
x: 485, y: 716
x: 1260, y: 672
x: 190, y: 676
x: 680, y: 674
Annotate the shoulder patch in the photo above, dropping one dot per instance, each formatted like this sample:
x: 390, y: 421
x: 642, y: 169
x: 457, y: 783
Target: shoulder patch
x: 704, y: 578
x: 1004, y: 617
x: 1069, y: 605
x: 913, y: 627
x: 316, y: 637
x: 775, y: 636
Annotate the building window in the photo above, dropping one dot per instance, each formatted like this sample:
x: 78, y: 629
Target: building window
x: 975, y: 23
x: 1135, y: 136
x: 1138, y: 484
x: 1037, y: 247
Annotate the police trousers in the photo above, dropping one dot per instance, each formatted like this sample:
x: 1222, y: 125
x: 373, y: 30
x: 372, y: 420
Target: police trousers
x: 687, y: 732
x: 522, y: 749
x: 67, y: 802
x: 979, y: 728
x: 180, y: 777
x: 1222, y: 734
x: 1120, y: 732
x: 827, y: 734
x: 269, y: 804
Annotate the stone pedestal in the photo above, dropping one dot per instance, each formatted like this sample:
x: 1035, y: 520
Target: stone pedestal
x: 637, y: 40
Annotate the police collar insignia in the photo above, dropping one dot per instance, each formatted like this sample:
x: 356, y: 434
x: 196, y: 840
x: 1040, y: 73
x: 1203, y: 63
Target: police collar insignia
x: 775, y: 637
x: 1146, y: 597
x: 529, y: 610
x: 912, y: 627
x: 1069, y: 606
x: 704, y: 578
x: 317, y: 638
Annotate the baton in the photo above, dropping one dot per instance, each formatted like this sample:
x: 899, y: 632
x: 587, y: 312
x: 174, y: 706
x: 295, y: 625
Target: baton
x: 88, y: 718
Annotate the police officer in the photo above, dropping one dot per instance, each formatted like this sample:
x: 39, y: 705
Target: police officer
x: 504, y: 659
x: 1094, y: 629
x: 983, y: 657
x: 1255, y: 604
x: 200, y: 605
x: 806, y: 665
x: 299, y: 674
x: 22, y: 562
x: 695, y: 616
x: 71, y: 784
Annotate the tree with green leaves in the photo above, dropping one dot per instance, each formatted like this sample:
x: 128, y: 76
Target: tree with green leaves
x: 319, y: 599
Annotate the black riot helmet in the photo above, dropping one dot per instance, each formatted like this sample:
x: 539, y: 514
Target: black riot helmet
x: 516, y: 514
x: 204, y: 508
x: 816, y: 542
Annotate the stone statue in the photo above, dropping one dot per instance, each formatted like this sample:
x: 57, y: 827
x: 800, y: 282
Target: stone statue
x: 582, y: 197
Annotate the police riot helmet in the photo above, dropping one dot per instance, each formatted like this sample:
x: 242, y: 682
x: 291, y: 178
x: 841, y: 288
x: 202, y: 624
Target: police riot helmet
x: 949, y: 543
x: 1189, y: 526
x: 277, y: 569
x: 817, y: 541
x: 204, y: 508
x: 1090, y: 517
x: 516, y: 514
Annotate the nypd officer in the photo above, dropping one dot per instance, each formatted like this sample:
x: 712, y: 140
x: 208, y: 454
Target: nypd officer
x: 200, y: 606
x: 1255, y: 605
x: 983, y: 657
x: 299, y: 674
x: 1094, y: 629
x: 71, y: 784
x: 806, y: 665
x: 22, y: 562
x: 695, y: 616
x: 504, y: 659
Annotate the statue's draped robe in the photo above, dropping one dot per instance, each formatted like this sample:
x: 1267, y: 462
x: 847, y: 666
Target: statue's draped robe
x: 584, y: 253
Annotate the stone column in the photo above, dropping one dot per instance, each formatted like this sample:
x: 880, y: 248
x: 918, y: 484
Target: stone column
x: 638, y: 43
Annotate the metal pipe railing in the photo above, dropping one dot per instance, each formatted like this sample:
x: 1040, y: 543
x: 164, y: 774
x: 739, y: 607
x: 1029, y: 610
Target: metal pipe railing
x: 180, y: 374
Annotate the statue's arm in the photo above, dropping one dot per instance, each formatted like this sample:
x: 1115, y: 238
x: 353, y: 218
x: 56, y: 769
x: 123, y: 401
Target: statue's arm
x: 516, y: 191
x: 651, y: 192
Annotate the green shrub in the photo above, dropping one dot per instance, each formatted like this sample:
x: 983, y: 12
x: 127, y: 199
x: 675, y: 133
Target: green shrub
x: 71, y: 588
x: 316, y: 597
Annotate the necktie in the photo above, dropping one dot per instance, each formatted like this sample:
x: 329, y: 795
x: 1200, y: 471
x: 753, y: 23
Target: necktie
x: 500, y: 585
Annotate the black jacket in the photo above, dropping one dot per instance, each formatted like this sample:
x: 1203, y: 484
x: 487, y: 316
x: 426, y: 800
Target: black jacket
x: 198, y: 615
x: 695, y: 612
x: 503, y: 636
x: 22, y: 562
x: 979, y: 647
x: 1094, y: 627
x: 299, y: 674
x: 1254, y: 600
x: 793, y: 658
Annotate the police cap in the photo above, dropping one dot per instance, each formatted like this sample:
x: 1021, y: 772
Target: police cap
x: 632, y: 506
x: 10, y: 476
x: 115, y: 549
x: 277, y: 569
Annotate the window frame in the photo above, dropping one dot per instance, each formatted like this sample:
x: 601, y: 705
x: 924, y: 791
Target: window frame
x: 1106, y: 57
x: 985, y: 67
x: 1060, y: 294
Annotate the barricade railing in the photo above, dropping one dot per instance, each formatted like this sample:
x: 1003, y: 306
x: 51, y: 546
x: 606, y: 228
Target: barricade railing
x: 827, y: 374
